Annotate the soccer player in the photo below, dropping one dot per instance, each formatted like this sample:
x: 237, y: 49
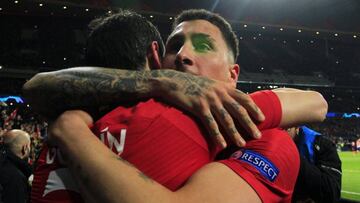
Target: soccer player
x: 251, y: 166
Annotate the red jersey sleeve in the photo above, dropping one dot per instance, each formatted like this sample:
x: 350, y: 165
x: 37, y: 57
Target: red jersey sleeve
x: 270, y: 105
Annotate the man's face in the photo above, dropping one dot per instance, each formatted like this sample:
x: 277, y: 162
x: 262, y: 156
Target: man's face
x: 197, y: 47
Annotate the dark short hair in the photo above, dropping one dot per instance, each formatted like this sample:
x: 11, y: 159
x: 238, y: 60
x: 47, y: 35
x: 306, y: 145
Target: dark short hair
x: 225, y: 28
x: 121, y: 40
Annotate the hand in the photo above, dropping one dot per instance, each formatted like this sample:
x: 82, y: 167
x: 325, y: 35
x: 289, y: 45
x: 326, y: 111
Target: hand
x: 68, y: 124
x: 217, y: 104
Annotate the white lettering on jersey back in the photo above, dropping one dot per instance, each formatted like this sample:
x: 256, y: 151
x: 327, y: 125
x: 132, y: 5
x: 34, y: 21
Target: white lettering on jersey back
x: 53, y: 153
x: 60, y: 179
x: 112, y: 141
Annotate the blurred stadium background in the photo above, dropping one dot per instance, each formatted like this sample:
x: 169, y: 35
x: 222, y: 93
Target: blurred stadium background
x: 283, y: 43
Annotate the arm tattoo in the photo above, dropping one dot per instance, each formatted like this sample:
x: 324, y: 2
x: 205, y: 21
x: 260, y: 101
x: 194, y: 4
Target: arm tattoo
x: 89, y: 88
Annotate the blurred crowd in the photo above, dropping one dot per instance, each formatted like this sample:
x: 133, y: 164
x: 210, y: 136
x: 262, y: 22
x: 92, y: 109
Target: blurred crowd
x: 19, y: 116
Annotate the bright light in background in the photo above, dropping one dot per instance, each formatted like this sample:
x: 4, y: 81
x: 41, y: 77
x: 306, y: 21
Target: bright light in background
x: 16, y: 2
x: 317, y: 33
x: 151, y: 16
x: 86, y: 9
x: 64, y: 7
x: 355, y: 36
x: 40, y: 5
x: 0, y: 67
x: 299, y: 30
x: 263, y: 27
x: 281, y: 29
x: 336, y: 34
x: 245, y: 25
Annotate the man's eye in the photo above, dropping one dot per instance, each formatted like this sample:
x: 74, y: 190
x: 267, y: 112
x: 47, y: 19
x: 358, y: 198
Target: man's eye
x: 202, y: 47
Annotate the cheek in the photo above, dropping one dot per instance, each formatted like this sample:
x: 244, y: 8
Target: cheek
x: 214, y: 67
x: 168, y: 62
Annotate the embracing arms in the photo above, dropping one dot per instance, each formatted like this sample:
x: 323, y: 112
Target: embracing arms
x: 214, y: 103
x: 109, y: 178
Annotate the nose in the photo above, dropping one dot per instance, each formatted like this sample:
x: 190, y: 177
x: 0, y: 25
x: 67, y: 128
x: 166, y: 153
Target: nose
x: 184, y: 57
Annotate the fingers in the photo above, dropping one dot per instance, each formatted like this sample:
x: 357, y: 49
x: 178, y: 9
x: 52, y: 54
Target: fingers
x: 211, y: 126
x: 242, y: 117
x: 249, y: 105
x: 227, y: 122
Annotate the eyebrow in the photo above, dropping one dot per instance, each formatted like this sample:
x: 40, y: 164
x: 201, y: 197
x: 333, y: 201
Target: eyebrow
x: 179, y: 36
x: 203, y: 35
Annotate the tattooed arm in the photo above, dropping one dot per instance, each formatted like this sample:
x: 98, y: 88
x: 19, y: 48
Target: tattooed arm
x: 89, y: 88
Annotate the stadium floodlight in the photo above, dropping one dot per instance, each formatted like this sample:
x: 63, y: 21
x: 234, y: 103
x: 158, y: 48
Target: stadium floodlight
x: 87, y: 10
x: 281, y: 29
x: 64, y: 7
x: 16, y: 2
x: 263, y: 27
x: 336, y: 34
x: 355, y: 36
x: 245, y: 25
x: 317, y: 33
x: 299, y: 30
x: 41, y: 4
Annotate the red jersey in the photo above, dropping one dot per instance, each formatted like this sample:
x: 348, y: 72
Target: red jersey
x: 269, y: 165
x: 161, y: 141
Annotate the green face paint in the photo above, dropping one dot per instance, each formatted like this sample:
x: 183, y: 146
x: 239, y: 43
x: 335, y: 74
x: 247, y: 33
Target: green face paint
x: 202, y: 43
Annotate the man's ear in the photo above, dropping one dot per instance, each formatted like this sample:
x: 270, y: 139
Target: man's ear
x: 234, y: 73
x: 24, y: 150
x: 153, y: 56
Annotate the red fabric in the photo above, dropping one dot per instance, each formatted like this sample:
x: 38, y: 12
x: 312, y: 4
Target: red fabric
x: 277, y: 147
x: 161, y: 141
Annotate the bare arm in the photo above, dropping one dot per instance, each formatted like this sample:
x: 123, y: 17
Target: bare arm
x: 98, y: 168
x: 300, y: 106
x: 215, y: 103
